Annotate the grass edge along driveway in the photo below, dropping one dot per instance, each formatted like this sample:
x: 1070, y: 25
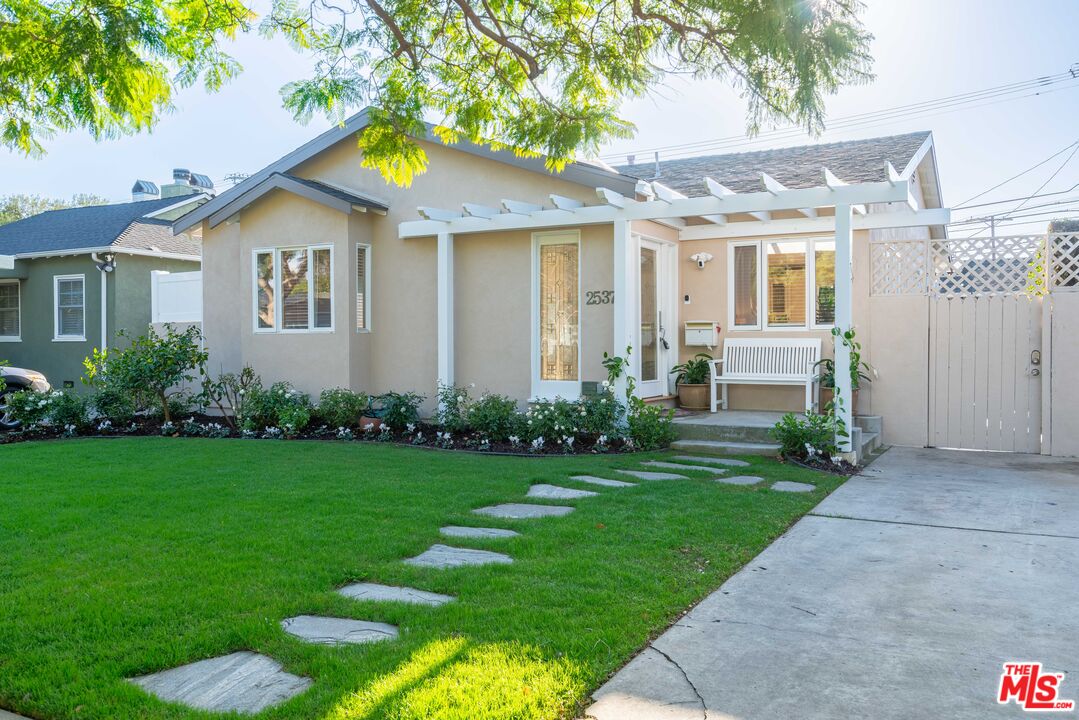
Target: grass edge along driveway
x: 128, y: 556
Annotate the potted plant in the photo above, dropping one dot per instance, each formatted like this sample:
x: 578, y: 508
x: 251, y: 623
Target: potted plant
x: 692, y: 382
x: 826, y: 378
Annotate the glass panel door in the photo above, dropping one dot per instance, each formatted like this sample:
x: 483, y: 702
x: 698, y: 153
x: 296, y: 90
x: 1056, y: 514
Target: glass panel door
x: 649, y: 315
x: 558, y: 311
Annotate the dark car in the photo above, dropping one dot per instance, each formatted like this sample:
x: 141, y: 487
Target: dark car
x: 16, y: 379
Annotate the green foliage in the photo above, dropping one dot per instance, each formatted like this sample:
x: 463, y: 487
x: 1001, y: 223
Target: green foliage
x: 341, y: 408
x: 229, y: 394
x: 603, y: 414
x: 59, y: 408
x: 806, y: 437
x: 399, y: 410
x: 20, y: 206
x: 276, y: 407
x: 650, y: 426
x: 109, y: 67
x: 694, y: 371
x: 495, y: 417
x: 826, y: 373
x: 453, y: 408
x: 554, y: 419
x: 152, y: 363
x: 536, y: 78
x: 28, y: 407
x: 117, y: 405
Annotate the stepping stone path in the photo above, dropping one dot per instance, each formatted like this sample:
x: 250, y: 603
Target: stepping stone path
x: 739, y: 480
x: 476, y: 532
x: 593, y: 480
x: 391, y: 593
x: 337, y: 631
x: 522, y: 511
x: 729, y: 462
x: 678, y: 466
x: 444, y: 556
x: 645, y: 475
x: 557, y: 492
x: 788, y: 486
x: 5, y: 715
x: 242, y: 681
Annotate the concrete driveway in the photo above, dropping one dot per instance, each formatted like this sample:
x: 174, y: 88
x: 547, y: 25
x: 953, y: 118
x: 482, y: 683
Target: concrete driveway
x: 900, y: 596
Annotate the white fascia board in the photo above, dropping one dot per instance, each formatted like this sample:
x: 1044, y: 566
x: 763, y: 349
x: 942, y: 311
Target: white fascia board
x: 759, y: 202
x: 872, y: 221
x: 7, y: 262
x: 184, y: 200
x: 106, y: 249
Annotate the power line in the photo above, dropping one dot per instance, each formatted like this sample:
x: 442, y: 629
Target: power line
x: 1061, y: 151
x: 1051, y: 177
x: 1068, y: 77
x: 1014, y: 199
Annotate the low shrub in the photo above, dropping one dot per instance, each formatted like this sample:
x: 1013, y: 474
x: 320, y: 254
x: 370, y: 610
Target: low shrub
x: 553, y: 419
x: 28, y: 407
x: 603, y: 414
x: 495, y: 417
x: 341, y: 408
x: 650, y: 426
x: 113, y: 404
x: 275, y: 407
x: 453, y: 408
x: 399, y: 410
x: 804, y: 437
x: 229, y: 393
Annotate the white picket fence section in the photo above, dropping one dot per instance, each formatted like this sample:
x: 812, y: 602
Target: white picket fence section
x: 175, y: 297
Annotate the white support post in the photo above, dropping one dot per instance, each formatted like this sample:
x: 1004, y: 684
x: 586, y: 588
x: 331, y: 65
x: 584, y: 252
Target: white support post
x: 844, y: 293
x: 445, y: 308
x: 623, y: 299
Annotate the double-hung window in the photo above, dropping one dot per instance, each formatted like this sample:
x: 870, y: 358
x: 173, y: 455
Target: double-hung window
x: 363, y: 288
x: 782, y: 284
x: 69, y: 307
x: 293, y: 289
x: 9, y: 311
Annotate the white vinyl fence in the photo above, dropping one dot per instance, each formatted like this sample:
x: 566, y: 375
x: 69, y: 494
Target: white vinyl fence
x: 175, y: 297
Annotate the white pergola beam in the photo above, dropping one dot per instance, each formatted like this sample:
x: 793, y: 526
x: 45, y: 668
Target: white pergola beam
x: 834, y: 183
x: 718, y: 190
x: 564, y: 203
x: 576, y: 213
x: 612, y: 198
x: 482, y: 211
x: 520, y: 208
x: 820, y: 224
x: 669, y: 195
x: 438, y: 214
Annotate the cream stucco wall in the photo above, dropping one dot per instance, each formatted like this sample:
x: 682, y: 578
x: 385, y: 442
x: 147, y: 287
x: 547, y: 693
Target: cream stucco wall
x: 1063, y: 383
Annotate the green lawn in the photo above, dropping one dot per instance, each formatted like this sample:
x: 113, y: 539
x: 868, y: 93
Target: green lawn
x: 120, y: 557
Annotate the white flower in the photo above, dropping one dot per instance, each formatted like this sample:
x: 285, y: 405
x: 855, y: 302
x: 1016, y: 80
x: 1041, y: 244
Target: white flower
x: 460, y: 399
x: 606, y: 383
x: 471, y: 385
x: 410, y: 427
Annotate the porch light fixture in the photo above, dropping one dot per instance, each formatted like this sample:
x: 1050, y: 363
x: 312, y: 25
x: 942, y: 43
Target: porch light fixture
x: 701, y: 258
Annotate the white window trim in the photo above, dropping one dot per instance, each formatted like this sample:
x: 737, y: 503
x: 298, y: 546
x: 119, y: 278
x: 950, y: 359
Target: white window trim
x: 18, y: 292
x: 549, y: 389
x: 365, y: 248
x: 762, y: 325
x: 56, y: 336
x: 279, y: 300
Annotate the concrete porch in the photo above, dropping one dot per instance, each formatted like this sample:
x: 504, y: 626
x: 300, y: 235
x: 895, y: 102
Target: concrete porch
x: 747, y: 432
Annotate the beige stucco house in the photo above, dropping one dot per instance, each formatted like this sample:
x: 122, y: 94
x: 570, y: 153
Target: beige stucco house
x: 491, y: 270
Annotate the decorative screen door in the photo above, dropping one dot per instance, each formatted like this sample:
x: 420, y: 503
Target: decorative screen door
x: 557, y: 369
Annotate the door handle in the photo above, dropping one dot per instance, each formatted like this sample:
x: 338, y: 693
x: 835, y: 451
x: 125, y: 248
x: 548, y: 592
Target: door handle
x: 1035, y: 357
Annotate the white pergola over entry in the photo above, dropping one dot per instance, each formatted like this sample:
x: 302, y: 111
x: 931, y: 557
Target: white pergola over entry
x: 712, y: 215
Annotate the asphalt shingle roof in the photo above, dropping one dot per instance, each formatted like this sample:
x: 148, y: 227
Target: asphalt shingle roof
x: 121, y: 225
x: 796, y: 167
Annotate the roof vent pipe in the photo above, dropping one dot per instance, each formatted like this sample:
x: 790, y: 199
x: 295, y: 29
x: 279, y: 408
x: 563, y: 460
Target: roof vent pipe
x: 631, y: 159
x: 657, y: 164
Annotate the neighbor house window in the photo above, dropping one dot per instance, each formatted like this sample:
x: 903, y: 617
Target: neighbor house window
x: 70, y: 302
x: 363, y: 287
x: 294, y: 289
x: 9, y: 311
x: 782, y: 284
x: 556, y: 316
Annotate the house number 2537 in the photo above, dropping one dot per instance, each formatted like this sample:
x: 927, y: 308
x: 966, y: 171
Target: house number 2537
x: 599, y: 297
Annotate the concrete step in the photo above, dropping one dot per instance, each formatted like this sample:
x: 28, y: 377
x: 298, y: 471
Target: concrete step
x: 870, y: 442
x: 724, y: 433
x: 870, y: 423
x: 723, y: 447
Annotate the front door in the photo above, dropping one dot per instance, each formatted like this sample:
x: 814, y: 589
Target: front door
x: 655, y: 311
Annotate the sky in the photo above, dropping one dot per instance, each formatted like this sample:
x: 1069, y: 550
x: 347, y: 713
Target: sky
x: 923, y: 50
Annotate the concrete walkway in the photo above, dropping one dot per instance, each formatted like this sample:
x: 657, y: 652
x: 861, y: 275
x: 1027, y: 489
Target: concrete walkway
x: 900, y: 596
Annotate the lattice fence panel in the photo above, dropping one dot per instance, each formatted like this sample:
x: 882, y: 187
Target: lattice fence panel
x: 1064, y: 264
x: 987, y: 266
x: 898, y: 267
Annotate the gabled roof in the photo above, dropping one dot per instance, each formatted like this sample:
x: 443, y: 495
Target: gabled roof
x: 332, y: 197
x: 584, y: 173
x: 853, y: 161
x: 119, y: 225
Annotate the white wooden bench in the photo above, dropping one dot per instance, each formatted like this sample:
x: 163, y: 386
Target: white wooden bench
x: 767, y: 361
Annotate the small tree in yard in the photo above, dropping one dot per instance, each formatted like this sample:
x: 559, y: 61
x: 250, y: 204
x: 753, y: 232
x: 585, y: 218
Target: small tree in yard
x: 153, y: 364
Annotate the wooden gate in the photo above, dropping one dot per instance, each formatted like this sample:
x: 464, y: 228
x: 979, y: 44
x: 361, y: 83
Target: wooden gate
x: 985, y: 344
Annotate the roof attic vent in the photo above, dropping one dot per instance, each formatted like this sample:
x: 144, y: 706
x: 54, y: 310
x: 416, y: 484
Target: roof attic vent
x: 144, y: 190
x: 631, y: 160
x: 201, y: 181
x: 181, y: 175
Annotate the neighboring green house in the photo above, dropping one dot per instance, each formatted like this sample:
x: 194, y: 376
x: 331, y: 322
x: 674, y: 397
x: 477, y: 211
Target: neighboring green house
x: 58, y: 268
